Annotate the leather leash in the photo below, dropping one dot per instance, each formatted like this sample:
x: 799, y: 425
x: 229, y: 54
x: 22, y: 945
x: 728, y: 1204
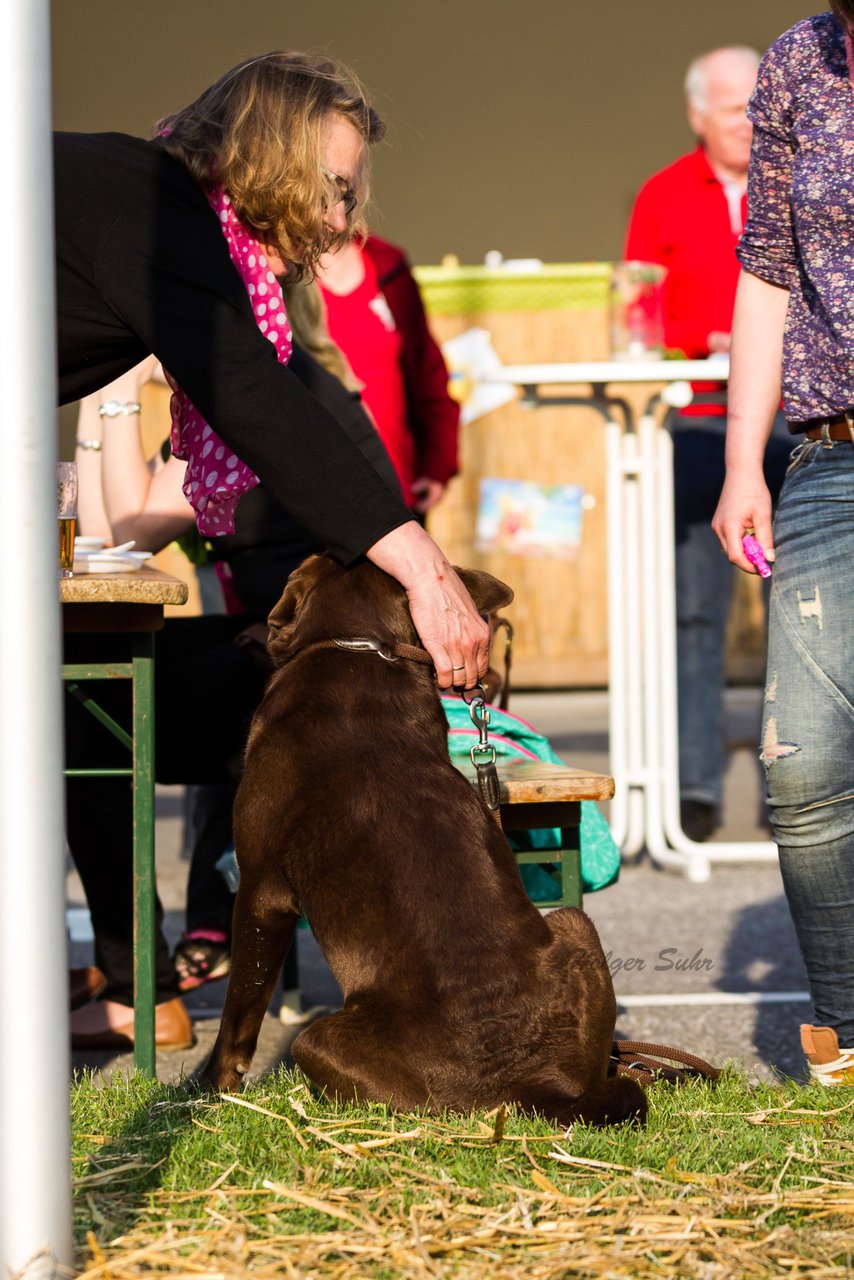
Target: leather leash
x: 503, y: 624
x: 642, y: 1062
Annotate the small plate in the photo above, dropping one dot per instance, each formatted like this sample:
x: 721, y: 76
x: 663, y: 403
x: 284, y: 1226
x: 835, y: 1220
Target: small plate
x: 128, y: 562
x: 89, y: 544
x: 107, y: 564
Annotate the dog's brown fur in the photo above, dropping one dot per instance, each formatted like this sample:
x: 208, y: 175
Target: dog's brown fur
x: 458, y: 993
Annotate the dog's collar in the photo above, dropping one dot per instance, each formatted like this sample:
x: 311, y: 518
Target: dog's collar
x: 369, y: 644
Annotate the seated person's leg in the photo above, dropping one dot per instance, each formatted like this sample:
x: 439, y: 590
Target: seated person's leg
x: 203, y: 952
x: 100, y: 827
x: 210, y: 685
x: 209, y: 899
x: 206, y: 690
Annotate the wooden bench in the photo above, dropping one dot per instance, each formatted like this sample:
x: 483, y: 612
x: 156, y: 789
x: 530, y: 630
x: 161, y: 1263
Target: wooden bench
x: 536, y: 795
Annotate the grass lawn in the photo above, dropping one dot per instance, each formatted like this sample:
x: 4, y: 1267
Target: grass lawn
x: 724, y: 1181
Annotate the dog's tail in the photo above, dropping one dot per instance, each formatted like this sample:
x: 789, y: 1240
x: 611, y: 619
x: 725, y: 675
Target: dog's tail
x: 614, y: 1101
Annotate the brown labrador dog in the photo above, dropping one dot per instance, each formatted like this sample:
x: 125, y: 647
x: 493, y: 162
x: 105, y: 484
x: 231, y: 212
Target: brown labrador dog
x: 457, y: 992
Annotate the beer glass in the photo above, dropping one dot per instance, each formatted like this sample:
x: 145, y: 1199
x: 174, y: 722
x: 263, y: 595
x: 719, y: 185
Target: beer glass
x: 66, y: 511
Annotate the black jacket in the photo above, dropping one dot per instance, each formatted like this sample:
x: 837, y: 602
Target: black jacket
x: 142, y: 267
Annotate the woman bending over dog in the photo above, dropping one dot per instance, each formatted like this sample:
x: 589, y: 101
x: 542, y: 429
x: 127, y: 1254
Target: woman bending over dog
x: 172, y: 246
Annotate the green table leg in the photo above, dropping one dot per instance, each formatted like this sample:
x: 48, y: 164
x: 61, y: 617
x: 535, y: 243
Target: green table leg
x: 572, y: 893
x: 143, y: 852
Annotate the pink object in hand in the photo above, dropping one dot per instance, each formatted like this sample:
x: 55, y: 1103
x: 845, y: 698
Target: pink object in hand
x: 756, y: 555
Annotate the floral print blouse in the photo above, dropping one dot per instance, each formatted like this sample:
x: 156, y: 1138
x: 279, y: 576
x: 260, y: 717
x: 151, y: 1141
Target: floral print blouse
x: 800, y: 226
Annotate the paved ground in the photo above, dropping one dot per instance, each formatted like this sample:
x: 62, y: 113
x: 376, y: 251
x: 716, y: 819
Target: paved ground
x: 678, y: 950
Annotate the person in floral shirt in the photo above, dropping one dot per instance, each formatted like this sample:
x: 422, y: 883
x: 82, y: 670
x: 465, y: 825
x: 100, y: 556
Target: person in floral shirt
x: 793, y: 333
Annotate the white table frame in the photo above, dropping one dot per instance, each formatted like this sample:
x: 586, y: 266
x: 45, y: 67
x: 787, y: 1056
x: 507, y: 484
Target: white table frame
x: 643, y: 720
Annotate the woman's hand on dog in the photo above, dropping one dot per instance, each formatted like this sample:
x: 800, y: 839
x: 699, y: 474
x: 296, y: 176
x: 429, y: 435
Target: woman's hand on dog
x: 445, y: 616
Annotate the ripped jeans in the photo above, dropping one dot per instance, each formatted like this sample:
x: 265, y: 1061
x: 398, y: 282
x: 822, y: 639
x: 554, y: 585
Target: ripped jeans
x: 808, y: 721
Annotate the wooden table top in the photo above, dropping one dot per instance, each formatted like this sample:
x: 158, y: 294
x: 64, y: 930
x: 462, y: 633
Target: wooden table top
x: 140, y: 586
x: 537, y: 782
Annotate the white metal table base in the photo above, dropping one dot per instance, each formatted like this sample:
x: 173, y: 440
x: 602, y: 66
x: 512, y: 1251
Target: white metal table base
x: 643, y: 719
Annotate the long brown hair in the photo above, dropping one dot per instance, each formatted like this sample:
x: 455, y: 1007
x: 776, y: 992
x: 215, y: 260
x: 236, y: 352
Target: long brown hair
x: 844, y: 10
x: 307, y: 318
x: 257, y: 131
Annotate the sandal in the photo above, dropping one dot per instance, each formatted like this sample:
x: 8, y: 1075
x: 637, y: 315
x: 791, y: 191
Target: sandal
x: 201, y: 956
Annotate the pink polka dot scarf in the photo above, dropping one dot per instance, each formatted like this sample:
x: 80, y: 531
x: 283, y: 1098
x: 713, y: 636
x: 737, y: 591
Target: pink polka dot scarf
x: 216, y: 479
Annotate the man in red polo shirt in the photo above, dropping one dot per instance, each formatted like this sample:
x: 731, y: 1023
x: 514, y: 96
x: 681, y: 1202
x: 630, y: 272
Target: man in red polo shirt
x: 689, y: 218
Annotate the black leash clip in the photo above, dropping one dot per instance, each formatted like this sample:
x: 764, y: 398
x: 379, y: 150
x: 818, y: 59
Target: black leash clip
x: 483, y: 752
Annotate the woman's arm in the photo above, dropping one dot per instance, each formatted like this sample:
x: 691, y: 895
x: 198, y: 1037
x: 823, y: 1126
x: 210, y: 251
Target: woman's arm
x: 91, y: 517
x: 768, y: 255
x: 451, y: 629
x: 165, y: 514
x: 123, y: 496
x: 754, y: 394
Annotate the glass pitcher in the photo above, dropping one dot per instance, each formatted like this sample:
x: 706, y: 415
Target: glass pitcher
x: 637, y: 312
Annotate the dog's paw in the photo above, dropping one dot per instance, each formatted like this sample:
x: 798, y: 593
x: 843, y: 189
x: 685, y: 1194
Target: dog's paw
x: 205, y: 1085
x: 212, y: 1079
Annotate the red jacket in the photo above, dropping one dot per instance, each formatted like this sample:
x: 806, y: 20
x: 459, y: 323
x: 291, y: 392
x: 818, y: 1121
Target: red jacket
x: 433, y: 416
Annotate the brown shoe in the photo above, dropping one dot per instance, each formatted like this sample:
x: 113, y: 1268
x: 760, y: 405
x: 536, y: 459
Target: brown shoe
x: 108, y: 1025
x: 84, y: 985
x: 828, y: 1063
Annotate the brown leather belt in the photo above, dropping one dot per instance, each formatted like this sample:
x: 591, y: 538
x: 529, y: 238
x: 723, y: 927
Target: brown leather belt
x: 840, y: 427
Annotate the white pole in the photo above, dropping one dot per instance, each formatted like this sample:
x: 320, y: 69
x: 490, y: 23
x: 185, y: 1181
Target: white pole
x: 617, y: 647
x: 35, y: 1208
x: 695, y: 858
x: 637, y: 780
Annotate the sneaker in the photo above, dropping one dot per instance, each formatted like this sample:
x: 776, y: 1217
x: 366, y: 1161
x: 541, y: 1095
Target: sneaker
x: 201, y: 956
x: 828, y: 1063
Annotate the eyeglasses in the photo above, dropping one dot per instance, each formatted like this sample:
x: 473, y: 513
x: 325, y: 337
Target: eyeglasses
x: 348, y: 197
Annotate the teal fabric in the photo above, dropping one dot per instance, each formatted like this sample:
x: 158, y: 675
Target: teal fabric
x: 514, y: 739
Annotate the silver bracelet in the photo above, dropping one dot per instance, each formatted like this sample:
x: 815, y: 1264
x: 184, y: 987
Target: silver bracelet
x: 95, y: 445
x: 115, y: 409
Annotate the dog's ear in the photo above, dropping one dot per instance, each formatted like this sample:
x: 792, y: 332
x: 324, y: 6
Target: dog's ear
x: 283, y: 619
x: 488, y: 593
